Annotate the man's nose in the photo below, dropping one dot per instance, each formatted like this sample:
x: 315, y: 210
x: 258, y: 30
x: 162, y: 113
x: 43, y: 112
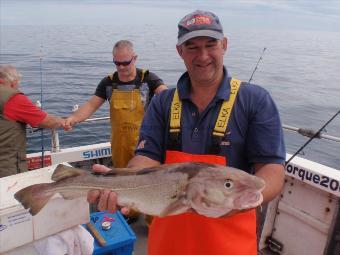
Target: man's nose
x: 203, y: 54
x: 120, y: 67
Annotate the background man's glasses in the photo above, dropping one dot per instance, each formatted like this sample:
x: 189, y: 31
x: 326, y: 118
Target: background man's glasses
x: 123, y: 63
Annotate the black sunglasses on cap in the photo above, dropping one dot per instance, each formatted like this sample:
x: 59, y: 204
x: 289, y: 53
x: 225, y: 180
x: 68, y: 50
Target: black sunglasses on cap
x: 123, y: 63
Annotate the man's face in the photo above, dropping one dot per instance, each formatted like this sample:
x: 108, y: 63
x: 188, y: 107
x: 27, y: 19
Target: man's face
x: 203, y: 57
x: 10, y: 84
x: 124, y: 60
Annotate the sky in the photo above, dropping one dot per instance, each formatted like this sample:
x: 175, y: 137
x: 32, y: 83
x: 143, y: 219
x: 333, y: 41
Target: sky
x: 321, y: 15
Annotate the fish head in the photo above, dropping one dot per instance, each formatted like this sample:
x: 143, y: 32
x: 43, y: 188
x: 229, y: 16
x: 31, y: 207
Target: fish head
x: 218, y: 190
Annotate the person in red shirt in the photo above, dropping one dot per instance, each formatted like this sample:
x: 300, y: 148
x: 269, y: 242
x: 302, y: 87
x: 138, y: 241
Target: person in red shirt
x: 17, y: 110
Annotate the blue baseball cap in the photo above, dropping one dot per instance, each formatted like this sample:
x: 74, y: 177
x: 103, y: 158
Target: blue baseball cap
x: 199, y: 23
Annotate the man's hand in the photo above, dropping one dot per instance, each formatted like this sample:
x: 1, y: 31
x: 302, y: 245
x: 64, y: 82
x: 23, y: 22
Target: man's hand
x: 69, y: 123
x: 106, y: 199
x: 51, y: 121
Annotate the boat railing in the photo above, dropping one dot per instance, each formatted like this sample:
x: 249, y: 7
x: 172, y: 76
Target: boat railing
x: 302, y: 131
x: 310, y: 133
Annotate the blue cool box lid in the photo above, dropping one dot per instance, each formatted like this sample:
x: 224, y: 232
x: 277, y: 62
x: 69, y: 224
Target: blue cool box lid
x: 119, y: 235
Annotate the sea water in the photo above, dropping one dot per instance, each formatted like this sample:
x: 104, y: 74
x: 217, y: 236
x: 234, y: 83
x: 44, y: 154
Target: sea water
x: 66, y: 62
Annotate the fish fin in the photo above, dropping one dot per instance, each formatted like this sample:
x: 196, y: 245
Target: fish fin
x: 62, y: 172
x: 121, y: 171
x: 177, y: 207
x: 133, y: 171
x: 34, y: 197
x: 163, y: 168
x: 147, y: 170
x: 189, y: 168
x: 180, y: 167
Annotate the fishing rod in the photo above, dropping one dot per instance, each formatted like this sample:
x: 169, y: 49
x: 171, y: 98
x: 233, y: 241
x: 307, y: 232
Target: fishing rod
x: 41, y: 106
x: 257, y: 64
x: 316, y: 135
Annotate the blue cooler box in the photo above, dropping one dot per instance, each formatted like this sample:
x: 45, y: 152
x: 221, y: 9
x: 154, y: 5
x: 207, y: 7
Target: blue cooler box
x: 119, y: 237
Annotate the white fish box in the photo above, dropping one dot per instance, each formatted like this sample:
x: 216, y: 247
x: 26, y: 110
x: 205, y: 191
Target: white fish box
x: 18, y: 227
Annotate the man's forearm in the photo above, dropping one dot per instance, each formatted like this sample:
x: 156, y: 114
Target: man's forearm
x: 51, y: 121
x: 140, y: 162
x: 160, y: 88
x: 273, y: 175
x: 86, y: 110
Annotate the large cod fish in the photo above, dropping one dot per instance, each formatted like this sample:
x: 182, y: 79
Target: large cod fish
x: 169, y: 189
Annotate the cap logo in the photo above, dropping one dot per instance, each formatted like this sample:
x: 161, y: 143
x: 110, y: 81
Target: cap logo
x: 199, y: 23
x: 198, y: 20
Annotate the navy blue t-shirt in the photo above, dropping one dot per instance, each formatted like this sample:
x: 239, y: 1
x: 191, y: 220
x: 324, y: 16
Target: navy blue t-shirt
x: 254, y: 133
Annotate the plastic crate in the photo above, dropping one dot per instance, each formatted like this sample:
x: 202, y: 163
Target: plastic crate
x: 119, y: 238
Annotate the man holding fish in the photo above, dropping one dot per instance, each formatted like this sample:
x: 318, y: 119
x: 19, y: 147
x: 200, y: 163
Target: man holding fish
x: 212, y: 118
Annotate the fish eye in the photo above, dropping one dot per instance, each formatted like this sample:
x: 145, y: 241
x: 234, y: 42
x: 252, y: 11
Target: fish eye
x: 228, y: 184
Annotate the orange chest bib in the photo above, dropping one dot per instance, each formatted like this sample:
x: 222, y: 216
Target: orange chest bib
x: 194, y: 234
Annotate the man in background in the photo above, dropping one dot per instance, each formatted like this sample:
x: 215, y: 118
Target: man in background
x: 17, y: 110
x: 128, y: 91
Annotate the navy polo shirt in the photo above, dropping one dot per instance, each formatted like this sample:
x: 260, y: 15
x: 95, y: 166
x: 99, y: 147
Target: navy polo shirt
x: 254, y: 133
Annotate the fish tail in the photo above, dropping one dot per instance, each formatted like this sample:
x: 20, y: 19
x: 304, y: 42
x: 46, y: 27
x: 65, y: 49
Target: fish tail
x: 34, y: 197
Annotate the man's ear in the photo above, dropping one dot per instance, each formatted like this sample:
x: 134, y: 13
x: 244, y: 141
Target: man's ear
x: 179, y: 50
x: 225, y: 44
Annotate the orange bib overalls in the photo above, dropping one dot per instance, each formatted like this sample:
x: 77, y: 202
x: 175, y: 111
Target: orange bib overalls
x: 194, y: 234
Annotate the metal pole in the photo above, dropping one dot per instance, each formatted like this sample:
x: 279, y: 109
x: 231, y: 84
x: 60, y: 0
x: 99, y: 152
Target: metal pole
x: 41, y: 102
x: 312, y: 137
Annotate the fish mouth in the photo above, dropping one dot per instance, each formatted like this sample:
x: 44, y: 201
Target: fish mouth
x: 256, y: 197
x: 249, y: 200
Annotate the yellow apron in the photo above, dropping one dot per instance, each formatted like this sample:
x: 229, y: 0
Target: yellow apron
x: 126, y: 113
